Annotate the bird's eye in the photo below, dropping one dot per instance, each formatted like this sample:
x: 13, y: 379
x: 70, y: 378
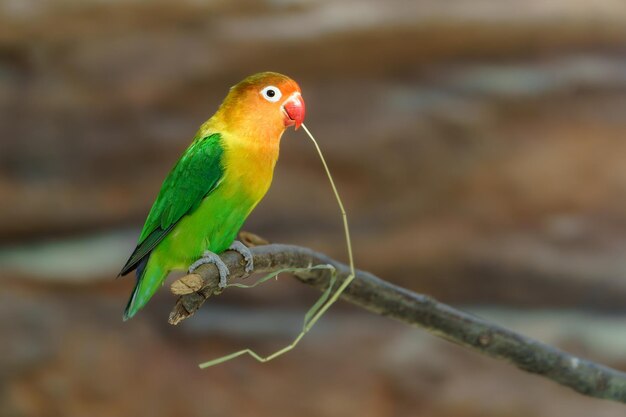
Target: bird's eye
x: 271, y: 94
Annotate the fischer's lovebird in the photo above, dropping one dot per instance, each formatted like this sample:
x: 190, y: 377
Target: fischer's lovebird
x: 216, y: 183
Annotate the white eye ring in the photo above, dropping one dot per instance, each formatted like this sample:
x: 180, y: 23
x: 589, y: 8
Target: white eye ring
x: 271, y: 93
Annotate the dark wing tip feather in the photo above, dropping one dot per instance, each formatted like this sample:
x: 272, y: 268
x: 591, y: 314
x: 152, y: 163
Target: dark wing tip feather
x: 144, y: 248
x: 131, y: 263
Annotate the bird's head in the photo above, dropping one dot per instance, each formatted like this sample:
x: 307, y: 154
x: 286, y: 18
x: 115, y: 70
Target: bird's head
x: 267, y: 101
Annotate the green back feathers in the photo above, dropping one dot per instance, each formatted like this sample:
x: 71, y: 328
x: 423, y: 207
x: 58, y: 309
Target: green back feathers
x: 197, y: 173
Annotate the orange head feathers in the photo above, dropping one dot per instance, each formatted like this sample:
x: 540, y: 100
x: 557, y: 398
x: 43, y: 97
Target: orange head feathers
x: 263, y: 103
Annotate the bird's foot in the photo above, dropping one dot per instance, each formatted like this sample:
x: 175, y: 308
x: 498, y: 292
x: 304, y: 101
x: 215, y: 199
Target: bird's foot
x: 243, y: 250
x: 209, y: 257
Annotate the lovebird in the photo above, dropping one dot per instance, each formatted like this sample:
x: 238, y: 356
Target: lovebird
x: 215, y: 185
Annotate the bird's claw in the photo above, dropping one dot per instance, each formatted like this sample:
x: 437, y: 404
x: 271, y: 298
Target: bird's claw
x: 243, y: 250
x: 209, y: 257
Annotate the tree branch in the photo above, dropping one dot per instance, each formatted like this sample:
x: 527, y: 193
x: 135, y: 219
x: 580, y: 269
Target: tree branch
x: 386, y: 299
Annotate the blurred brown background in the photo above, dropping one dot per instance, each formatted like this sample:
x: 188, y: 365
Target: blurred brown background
x: 478, y: 144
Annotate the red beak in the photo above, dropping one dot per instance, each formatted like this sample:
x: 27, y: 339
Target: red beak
x: 295, y: 110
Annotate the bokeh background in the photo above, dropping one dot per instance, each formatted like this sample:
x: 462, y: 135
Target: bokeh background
x: 479, y: 146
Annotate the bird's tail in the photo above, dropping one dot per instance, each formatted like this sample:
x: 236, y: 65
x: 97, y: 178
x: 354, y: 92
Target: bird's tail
x: 150, y: 277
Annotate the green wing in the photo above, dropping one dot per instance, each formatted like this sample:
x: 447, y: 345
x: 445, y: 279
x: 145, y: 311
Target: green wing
x: 195, y: 175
